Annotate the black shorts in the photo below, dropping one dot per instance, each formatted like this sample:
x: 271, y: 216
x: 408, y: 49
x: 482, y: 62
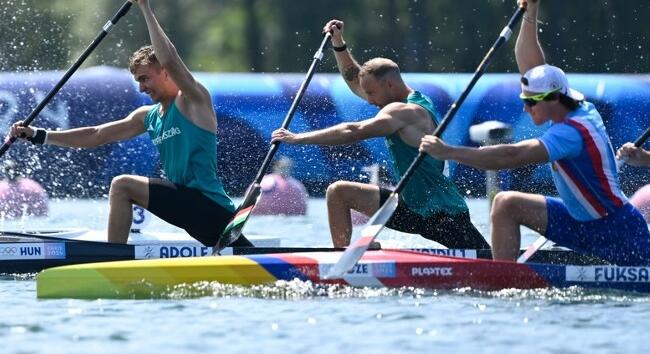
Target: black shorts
x: 190, y: 210
x: 450, y: 230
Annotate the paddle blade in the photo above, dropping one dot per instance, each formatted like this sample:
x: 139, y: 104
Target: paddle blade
x: 354, y: 252
x: 234, y: 228
x: 532, y: 248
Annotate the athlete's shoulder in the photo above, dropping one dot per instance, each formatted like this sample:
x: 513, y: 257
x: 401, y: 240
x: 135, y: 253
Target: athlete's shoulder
x: 142, y: 112
x: 407, y: 112
x: 146, y: 108
x: 403, y: 108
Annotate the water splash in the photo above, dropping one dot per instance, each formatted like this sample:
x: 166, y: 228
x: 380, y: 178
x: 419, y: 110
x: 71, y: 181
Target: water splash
x: 288, y: 290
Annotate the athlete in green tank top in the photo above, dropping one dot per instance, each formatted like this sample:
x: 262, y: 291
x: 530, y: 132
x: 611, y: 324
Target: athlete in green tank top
x: 188, y: 153
x: 428, y: 191
x: 182, y: 125
x: 430, y: 205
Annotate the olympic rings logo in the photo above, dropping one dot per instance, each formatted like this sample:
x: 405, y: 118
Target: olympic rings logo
x: 8, y: 250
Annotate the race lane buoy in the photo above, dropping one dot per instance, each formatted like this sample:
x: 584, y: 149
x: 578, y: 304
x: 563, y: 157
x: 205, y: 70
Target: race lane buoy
x: 281, y: 195
x: 22, y: 197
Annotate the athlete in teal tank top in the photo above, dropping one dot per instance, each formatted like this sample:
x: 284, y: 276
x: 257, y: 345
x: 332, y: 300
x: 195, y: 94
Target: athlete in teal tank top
x: 188, y: 153
x: 192, y: 197
x: 428, y: 191
x: 430, y: 205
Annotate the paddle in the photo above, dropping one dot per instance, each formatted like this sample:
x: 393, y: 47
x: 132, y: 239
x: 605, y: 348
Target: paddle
x: 541, y: 241
x: 643, y: 138
x: 353, y: 253
x: 107, y: 27
x: 233, y: 230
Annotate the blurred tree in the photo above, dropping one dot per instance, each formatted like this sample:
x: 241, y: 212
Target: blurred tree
x: 27, y: 30
x: 280, y: 35
x: 253, y: 34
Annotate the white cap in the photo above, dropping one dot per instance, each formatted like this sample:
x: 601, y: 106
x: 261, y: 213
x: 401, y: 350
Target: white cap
x: 547, y: 78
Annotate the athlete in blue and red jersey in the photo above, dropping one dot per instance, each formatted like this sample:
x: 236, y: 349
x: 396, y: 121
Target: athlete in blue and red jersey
x: 591, y: 215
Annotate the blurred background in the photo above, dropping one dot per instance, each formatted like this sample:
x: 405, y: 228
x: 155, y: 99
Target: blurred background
x: 275, y: 35
x: 253, y: 54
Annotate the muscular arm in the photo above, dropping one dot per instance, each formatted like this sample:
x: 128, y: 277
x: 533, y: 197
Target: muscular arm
x: 349, y: 68
x: 87, y: 137
x: 528, y: 50
x: 194, y: 101
x: 500, y: 157
x: 388, y: 121
x: 168, y: 56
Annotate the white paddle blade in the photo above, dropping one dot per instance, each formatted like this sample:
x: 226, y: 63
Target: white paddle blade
x: 354, y: 252
x: 532, y: 248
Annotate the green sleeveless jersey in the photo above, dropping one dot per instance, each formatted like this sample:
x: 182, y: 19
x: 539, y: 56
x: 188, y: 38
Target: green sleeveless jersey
x: 188, y: 153
x: 428, y: 190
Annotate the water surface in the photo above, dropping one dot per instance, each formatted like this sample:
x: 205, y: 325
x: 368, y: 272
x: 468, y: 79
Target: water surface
x: 299, y: 317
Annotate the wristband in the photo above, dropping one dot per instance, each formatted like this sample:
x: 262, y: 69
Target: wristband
x: 341, y: 48
x: 39, y: 137
x: 529, y: 19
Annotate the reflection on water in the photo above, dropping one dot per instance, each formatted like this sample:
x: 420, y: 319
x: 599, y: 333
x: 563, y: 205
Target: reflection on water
x: 288, y: 290
x: 298, y: 289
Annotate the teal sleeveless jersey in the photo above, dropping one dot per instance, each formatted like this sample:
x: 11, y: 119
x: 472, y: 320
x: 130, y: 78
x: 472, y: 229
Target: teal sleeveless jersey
x: 428, y: 190
x: 188, y: 153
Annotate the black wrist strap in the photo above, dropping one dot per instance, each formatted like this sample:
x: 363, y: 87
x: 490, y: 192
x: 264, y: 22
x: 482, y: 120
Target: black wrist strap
x: 341, y: 48
x: 39, y: 137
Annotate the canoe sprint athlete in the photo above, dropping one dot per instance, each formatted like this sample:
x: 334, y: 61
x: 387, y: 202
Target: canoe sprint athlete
x: 183, y: 127
x: 592, y: 215
x: 430, y: 205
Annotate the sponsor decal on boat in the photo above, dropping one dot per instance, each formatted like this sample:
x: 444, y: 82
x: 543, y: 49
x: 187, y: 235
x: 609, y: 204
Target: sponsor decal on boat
x: 464, y: 253
x: 374, y: 270
x: 432, y: 271
x: 32, y: 251
x: 607, y: 274
x: 54, y: 250
x: 175, y: 251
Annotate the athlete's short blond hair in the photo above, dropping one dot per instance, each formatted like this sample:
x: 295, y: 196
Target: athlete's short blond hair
x: 379, y: 68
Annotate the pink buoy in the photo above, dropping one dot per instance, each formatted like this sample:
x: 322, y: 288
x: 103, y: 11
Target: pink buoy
x: 641, y: 200
x: 22, y: 196
x: 281, y: 195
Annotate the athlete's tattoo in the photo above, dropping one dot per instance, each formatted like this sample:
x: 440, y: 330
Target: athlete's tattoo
x: 351, y: 73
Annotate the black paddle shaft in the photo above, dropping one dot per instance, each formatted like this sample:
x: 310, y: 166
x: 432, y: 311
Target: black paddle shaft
x: 253, y: 191
x: 107, y: 27
x: 642, y: 139
x: 503, y: 37
x: 318, y: 56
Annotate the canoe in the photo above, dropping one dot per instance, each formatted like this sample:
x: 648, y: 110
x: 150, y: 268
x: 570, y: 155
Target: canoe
x: 33, y: 251
x: 382, y: 268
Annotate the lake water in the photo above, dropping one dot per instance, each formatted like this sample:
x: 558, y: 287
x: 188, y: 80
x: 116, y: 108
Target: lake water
x: 296, y: 317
